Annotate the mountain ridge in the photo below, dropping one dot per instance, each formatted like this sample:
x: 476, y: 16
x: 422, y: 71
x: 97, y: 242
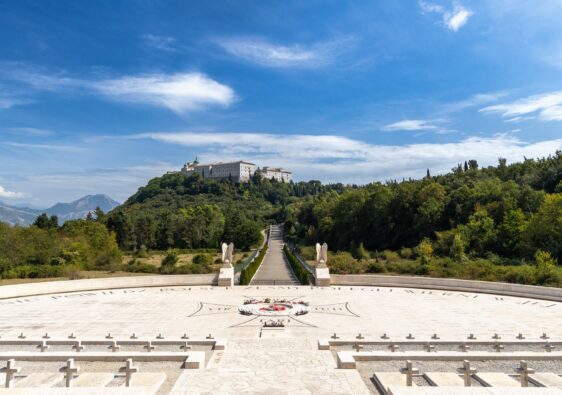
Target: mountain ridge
x: 77, y: 209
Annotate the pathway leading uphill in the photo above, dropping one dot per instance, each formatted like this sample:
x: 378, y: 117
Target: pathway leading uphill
x: 275, y: 269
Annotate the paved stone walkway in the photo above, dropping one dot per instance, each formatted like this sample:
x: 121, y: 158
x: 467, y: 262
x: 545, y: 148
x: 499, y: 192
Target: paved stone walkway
x: 271, y: 366
x: 275, y: 269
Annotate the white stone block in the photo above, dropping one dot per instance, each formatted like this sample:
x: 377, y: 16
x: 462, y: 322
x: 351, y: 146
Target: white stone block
x: 226, y: 277
x: 322, y: 275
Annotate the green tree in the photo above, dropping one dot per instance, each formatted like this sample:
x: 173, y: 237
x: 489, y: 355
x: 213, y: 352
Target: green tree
x: 544, y: 231
x: 425, y: 251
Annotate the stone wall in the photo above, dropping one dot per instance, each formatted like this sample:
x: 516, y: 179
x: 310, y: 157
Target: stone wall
x: 50, y: 287
x: 449, y: 284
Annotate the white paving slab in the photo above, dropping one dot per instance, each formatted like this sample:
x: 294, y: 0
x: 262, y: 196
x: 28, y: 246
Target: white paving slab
x: 445, y: 379
x: 39, y: 380
x: 547, y: 379
x: 152, y: 381
x: 77, y: 391
x: 493, y: 379
x: 92, y: 380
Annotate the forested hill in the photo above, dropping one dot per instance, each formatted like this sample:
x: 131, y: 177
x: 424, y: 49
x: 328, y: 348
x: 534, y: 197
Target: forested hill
x: 509, y: 211
x: 192, y: 212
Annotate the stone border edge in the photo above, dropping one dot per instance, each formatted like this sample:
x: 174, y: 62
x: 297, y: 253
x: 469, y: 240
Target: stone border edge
x: 449, y: 284
x: 98, y: 284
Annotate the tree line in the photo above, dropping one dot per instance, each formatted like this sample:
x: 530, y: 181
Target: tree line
x: 508, y: 211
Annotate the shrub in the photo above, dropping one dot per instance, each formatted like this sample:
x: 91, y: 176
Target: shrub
x: 406, y: 253
x: 202, y: 259
x: 376, y: 267
x: 171, y: 258
x: 343, y: 263
x: 302, y: 274
x: 248, y: 273
x: 425, y: 250
x: 390, y: 256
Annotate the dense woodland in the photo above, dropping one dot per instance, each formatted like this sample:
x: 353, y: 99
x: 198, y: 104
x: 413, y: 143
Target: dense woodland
x: 497, y: 223
x: 502, y: 215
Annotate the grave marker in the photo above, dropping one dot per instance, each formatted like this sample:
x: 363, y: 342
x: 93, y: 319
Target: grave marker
x: 409, y: 371
x: 467, y: 373
x: 43, y: 346
x: 129, y: 369
x: 69, y: 370
x: 524, y: 372
x: 10, y: 371
x: 113, y: 346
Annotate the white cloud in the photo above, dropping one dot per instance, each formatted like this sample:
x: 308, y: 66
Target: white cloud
x: 458, y: 18
x: 478, y: 99
x: 341, y: 159
x: 262, y: 52
x: 35, y: 132
x: 410, y: 124
x: 162, y: 43
x: 49, y: 147
x: 9, y: 102
x: 178, y: 92
x: 548, y: 106
x: 453, y: 19
x: 4, y: 193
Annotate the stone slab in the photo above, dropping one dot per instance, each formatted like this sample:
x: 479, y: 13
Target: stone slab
x: 78, y: 391
x: 323, y: 344
x: 226, y: 277
x: 39, y: 380
x: 472, y: 391
x: 194, y: 360
x: 153, y: 381
x: 92, y: 380
x: 384, y: 380
x: 493, y: 379
x: 322, y: 276
x: 444, y: 379
x: 547, y: 379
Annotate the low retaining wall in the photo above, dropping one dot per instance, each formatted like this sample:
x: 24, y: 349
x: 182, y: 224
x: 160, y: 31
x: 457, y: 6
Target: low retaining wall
x: 449, y: 284
x: 51, y: 287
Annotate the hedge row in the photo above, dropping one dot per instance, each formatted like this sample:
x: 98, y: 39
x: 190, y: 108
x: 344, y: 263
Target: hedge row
x: 302, y: 274
x: 247, y: 274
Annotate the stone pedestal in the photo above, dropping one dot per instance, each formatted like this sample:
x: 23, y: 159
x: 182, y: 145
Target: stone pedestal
x: 322, y: 275
x: 226, y: 277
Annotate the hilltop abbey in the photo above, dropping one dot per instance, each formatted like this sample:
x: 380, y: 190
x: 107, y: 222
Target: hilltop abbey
x: 239, y: 171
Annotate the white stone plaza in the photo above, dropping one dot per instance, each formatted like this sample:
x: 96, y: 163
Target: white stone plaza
x: 250, y: 339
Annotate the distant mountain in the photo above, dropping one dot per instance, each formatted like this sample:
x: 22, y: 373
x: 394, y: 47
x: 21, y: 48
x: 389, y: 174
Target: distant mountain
x: 17, y: 215
x: 64, y: 211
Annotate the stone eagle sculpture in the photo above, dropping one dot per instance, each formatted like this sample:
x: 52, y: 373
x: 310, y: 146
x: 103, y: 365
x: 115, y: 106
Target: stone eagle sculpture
x: 227, y: 252
x: 321, y: 254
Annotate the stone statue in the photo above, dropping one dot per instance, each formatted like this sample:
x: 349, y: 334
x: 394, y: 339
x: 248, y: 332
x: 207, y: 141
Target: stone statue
x: 321, y: 255
x: 227, y: 252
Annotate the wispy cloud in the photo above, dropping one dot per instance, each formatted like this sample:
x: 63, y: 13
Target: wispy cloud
x: 265, y: 53
x: 478, y: 99
x: 179, y: 92
x: 337, y: 158
x: 4, y: 193
x: 9, y: 102
x: 453, y: 18
x: 49, y: 147
x: 27, y: 131
x: 411, y: 125
x: 547, y: 106
x: 162, y: 43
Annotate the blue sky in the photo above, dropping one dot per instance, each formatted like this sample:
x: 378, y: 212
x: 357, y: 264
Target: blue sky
x: 99, y: 97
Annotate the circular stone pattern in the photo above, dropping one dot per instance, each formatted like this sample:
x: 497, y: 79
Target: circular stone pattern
x: 274, y: 308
